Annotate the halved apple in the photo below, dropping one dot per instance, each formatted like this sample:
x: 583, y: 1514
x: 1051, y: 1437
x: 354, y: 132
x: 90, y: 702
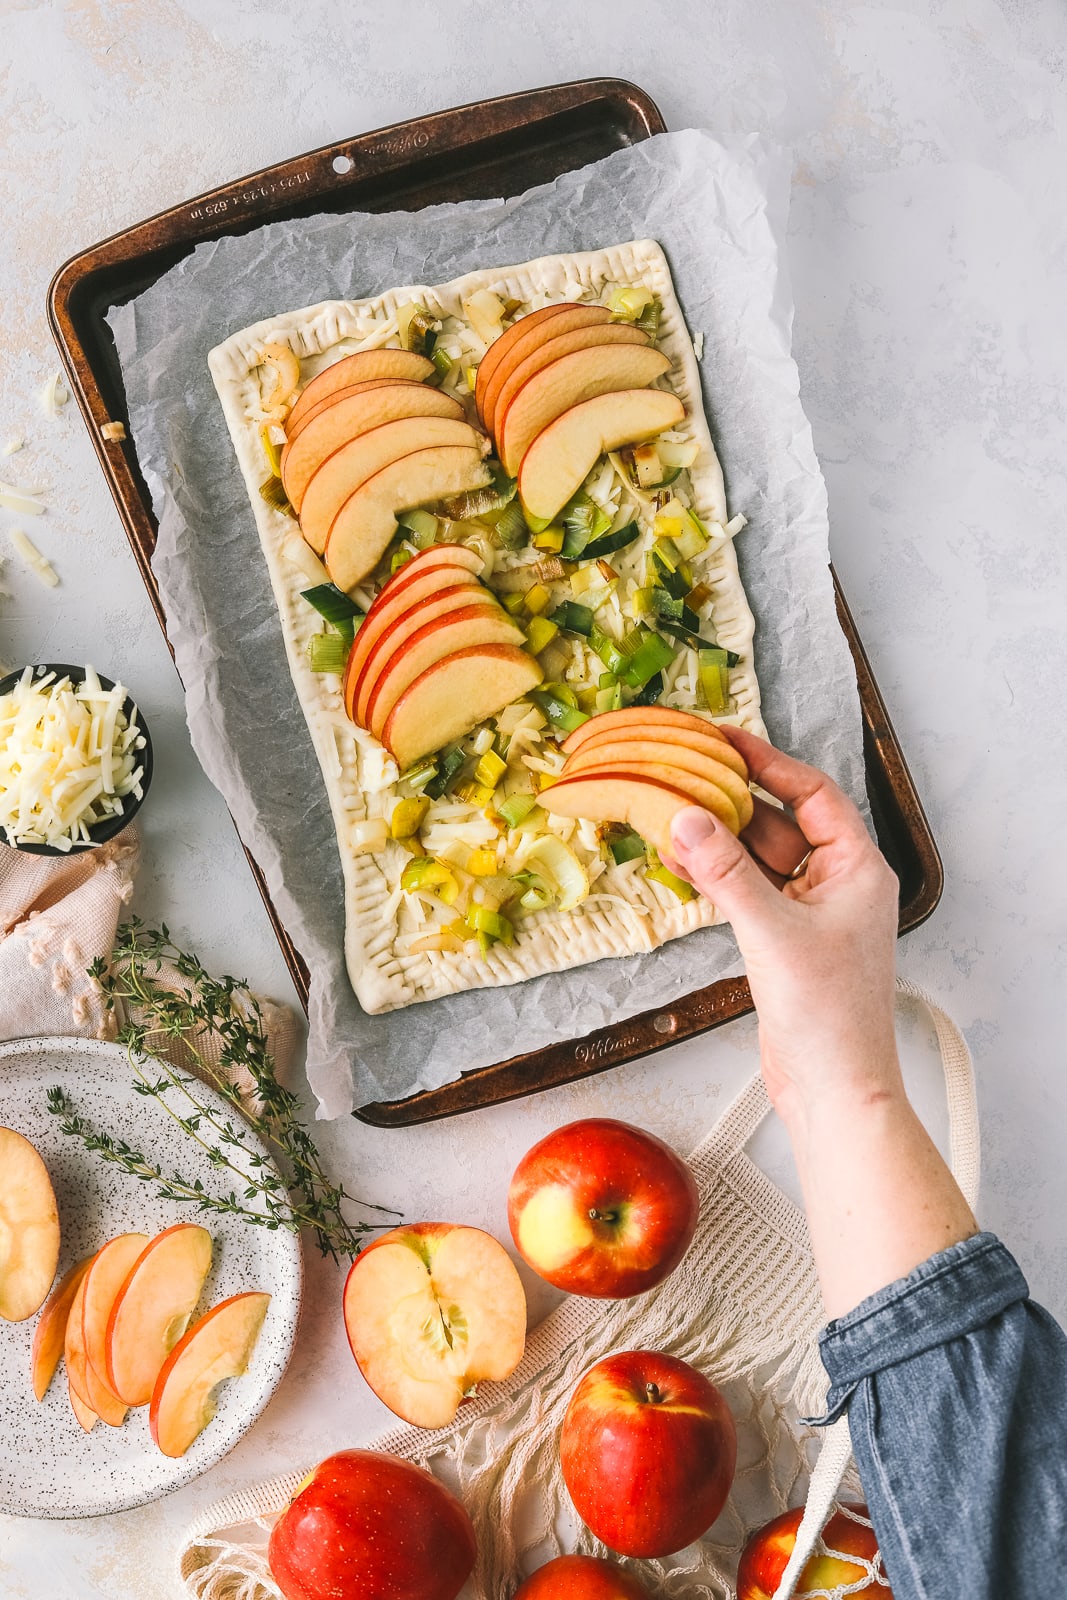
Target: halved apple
x: 338, y: 477
x: 434, y: 641
x: 622, y: 754
x: 357, y: 368
x: 637, y: 799
x: 561, y: 344
x: 360, y: 533
x: 110, y: 1268
x: 568, y: 382
x: 217, y: 1347
x: 152, y: 1309
x: 563, y: 454
x: 653, y: 721
x: 51, y: 1329
x: 431, y: 1310
x: 427, y: 576
x: 29, y: 1228
x: 718, y: 749
x: 523, y: 337
x: 87, y: 1417
x: 394, y: 640
x: 453, y: 696
x: 348, y: 418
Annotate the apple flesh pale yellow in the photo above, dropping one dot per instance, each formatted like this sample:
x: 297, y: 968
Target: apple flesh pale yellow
x: 361, y: 532
x: 562, y: 344
x: 51, y: 1329
x: 394, y: 639
x: 345, y: 420
x: 652, y: 720
x: 87, y: 1417
x: 637, y: 799
x: 110, y: 1268
x: 453, y: 696
x: 29, y: 1228
x: 471, y: 626
x: 293, y: 430
x: 667, y: 739
x: 74, y: 1357
x: 677, y: 764
x: 521, y: 338
x: 153, y: 1307
x: 561, y: 457
x: 568, y: 382
x: 699, y: 790
x: 217, y: 1347
x: 357, y: 368
x: 342, y: 473
x: 431, y: 1310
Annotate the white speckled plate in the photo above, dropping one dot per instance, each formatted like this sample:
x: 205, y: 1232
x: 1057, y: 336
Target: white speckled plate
x: 48, y: 1466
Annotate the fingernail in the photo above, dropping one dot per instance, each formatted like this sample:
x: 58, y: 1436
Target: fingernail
x: 692, y: 827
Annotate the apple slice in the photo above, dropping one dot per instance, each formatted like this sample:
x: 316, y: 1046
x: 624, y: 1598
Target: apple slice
x: 50, y: 1332
x: 87, y: 1417
x: 562, y: 456
x: 337, y: 424
x: 421, y: 580
x: 110, y: 1268
x: 582, y: 375
x: 393, y: 640
x: 217, y: 1347
x: 431, y: 1310
x: 710, y: 744
x: 29, y: 1228
x: 562, y: 344
x: 453, y: 696
x: 653, y: 721
x: 701, y: 791
x: 637, y: 799
x: 293, y: 430
x: 341, y: 474
x: 74, y: 1349
x: 523, y: 337
x: 622, y: 754
x: 445, y: 637
x: 357, y: 368
x: 152, y: 1309
x: 360, y: 533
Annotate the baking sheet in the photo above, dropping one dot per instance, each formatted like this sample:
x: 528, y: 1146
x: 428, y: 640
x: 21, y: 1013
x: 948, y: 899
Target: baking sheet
x: 720, y: 215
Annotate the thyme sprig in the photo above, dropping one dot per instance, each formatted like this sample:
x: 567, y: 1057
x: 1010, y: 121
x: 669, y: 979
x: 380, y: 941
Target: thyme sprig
x: 173, y: 1019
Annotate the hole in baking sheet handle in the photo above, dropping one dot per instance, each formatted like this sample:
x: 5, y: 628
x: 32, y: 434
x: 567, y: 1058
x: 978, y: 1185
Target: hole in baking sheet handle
x: 343, y: 164
x: 665, y: 1023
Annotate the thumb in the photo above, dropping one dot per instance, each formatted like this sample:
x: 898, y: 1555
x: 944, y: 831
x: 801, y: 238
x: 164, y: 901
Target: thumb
x: 722, y: 869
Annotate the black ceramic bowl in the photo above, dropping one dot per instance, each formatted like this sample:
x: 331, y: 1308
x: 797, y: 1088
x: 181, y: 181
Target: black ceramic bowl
x: 100, y: 832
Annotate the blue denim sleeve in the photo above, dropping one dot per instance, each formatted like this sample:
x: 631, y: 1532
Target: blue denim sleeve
x: 955, y: 1385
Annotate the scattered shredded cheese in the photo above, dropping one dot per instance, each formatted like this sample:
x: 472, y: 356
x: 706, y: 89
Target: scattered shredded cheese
x: 33, y: 557
x: 698, y: 345
x: 53, y: 396
x: 68, y: 758
x: 113, y: 432
x: 12, y: 447
x: 23, y: 501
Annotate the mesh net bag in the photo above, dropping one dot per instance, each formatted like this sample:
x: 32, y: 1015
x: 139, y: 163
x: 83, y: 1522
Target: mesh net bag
x: 751, y: 1250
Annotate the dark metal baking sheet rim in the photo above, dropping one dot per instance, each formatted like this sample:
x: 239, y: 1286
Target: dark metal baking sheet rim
x: 587, y: 118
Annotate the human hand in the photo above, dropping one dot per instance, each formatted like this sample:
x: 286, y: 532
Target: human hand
x: 818, y: 947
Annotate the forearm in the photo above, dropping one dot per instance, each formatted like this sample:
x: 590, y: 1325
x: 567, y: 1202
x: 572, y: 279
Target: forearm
x: 879, y: 1198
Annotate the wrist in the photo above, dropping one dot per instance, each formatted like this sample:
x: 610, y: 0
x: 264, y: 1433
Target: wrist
x: 838, y: 1094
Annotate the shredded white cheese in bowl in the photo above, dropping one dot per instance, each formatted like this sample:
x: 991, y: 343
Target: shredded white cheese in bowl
x: 75, y: 759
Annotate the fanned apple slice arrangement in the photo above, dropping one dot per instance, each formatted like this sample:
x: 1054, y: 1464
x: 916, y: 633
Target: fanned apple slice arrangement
x: 120, y: 1319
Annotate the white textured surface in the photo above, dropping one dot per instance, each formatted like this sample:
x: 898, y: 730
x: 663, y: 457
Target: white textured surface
x: 928, y: 241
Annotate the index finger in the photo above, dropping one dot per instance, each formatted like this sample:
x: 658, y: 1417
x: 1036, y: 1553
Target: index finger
x: 824, y: 812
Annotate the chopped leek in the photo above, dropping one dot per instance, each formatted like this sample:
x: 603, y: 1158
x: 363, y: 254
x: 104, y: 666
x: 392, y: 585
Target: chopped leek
x: 272, y: 450
x: 442, y: 364
x: 476, y: 794
x: 549, y: 571
x: 482, y: 863
x: 536, y: 599
x: 509, y: 529
x: 495, y: 496
x: 421, y: 774
x: 275, y: 496
x: 562, y: 867
x: 625, y: 847
x: 714, y: 679
x: 483, y: 919
x: 422, y: 525
x: 327, y: 652
x: 573, y: 618
x: 675, y: 611
x: 583, y: 521
x: 690, y: 540
x: 560, y: 691
x: 408, y: 817
x: 452, y: 760
x: 666, y: 571
x: 587, y: 701
x: 608, y: 699
x: 550, y: 538
x: 536, y: 894
x: 540, y: 633
x: 558, y: 712
x: 650, y: 693
x: 401, y: 557
x: 698, y: 596
x: 514, y: 602
x: 610, y: 542
x: 430, y: 876
x: 490, y: 769
x: 678, y: 886
x: 629, y: 302
x: 653, y: 654
x: 515, y: 809
x: 648, y: 321
x: 339, y: 609
x: 414, y: 324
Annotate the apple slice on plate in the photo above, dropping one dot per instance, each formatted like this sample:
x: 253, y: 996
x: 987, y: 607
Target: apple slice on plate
x: 471, y: 625
x: 29, y: 1228
x: 152, y: 1309
x: 681, y: 761
x: 110, y: 1268
x: 51, y: 1329
x: 710, y: 743
x: 637, y: 799
x: 653, y: 721
x: 394, y: 639
x: 453, y: 696
x: 360, y: 533
x: 562, y: 344
x: 431, y: 1310
x: 582, y: 375
x: 523, y: 337
x: 341, y: 474
x: 74, y: 1350
x: 357, y: 368
x: 562, y: 456
x: 87, y: 1417
x: 217, y: 1347
x: 346, y: 419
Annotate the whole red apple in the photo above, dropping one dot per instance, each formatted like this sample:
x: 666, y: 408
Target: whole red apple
x: 581, y: 1578
x: 648, y: 1450
x: 370, y: 1524
x: 767, y: 1552
x: 602, y: 1209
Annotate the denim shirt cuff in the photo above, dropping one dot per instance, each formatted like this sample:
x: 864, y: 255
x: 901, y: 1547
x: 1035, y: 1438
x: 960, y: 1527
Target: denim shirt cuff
x: 950, y: 1295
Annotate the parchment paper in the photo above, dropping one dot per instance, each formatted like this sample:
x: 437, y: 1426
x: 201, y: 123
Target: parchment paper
x: 720, y: 216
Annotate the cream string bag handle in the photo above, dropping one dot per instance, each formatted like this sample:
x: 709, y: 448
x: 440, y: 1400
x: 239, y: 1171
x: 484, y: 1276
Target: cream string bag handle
x: 751, y: 1250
